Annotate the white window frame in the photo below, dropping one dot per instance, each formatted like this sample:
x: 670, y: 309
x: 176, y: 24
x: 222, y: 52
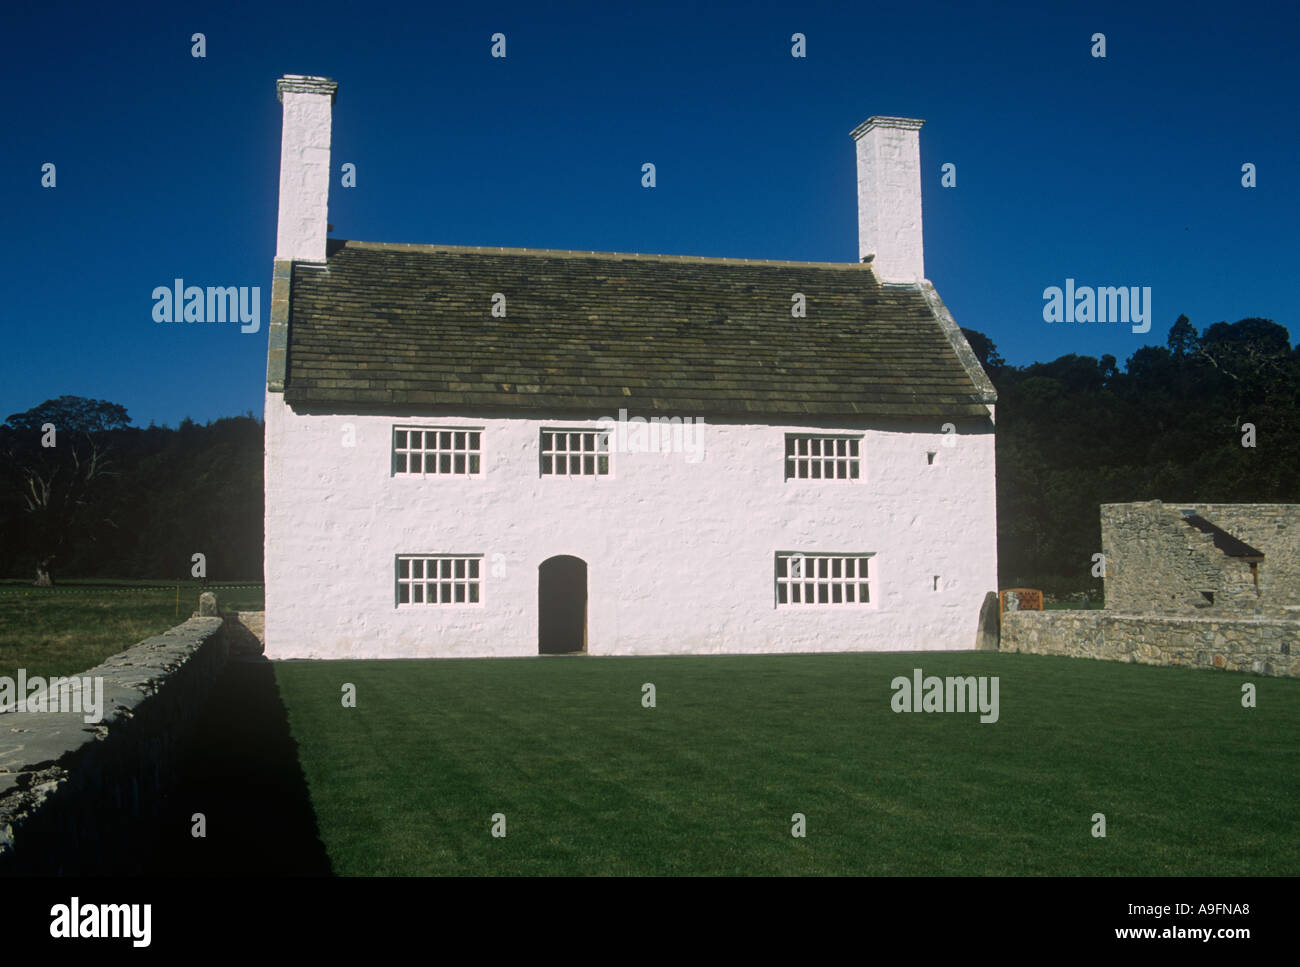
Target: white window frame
x: 471, y: 580
x: 467, y: 451
x: 828, y: 573
x: 600, y: 449
x: 814, y: 456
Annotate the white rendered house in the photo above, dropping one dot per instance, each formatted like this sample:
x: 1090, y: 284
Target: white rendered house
x: 501, y: 452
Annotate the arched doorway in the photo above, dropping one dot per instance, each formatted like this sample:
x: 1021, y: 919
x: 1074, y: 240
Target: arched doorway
x: 562, y: 605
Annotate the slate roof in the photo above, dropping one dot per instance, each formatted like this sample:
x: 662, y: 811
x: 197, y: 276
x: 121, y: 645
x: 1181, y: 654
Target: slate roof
x: 1231, y: 546
x: 410, y: 327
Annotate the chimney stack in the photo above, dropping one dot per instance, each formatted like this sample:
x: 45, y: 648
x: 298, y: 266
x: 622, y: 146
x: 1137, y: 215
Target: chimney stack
x: 889, y: 197
x: 304, y: 166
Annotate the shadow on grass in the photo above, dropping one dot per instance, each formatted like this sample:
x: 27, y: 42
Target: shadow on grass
x: 240, y: 770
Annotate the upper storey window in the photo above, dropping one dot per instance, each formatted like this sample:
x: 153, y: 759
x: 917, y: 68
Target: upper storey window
x: 436, y: 450
x: 575, y: 453
x: 814, y: 457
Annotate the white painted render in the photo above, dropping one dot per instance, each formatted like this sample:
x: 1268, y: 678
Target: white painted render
x: 304, y: 173
x: 680, y: 554
x: 889, y: 197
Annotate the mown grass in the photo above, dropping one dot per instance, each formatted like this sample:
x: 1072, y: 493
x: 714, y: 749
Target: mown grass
x: 590, y: 782
x: 76, y: 625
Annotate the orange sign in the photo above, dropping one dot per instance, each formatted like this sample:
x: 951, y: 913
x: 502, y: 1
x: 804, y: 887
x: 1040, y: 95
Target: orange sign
x: 1020, y: 599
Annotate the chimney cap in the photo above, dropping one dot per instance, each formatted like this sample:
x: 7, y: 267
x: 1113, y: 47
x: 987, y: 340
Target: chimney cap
x: 884, y: 121
x: 306, y: 84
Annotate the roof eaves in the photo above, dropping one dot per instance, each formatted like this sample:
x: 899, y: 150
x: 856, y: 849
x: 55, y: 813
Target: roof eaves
x: 985, y: 392
x: 277, y: 337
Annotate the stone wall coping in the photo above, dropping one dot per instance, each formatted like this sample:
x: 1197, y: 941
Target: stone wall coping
x: 50, y: 760
x: 1102, y: 613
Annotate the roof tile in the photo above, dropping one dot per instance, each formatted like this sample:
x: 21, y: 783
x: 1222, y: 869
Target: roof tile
x: 384, y: 325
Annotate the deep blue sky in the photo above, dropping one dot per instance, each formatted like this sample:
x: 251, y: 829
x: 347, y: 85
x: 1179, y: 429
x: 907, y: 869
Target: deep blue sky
x: 1125, y: 170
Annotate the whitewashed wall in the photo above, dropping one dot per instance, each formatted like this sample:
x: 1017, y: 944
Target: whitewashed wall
x: 679, y: 554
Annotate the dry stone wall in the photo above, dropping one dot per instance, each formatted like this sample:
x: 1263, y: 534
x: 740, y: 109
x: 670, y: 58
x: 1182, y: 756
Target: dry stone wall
x: 1258, y: 645
x: 77, y: 797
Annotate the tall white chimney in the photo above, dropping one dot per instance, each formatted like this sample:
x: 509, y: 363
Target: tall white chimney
x: 889, y: 197
x: 304, y: 167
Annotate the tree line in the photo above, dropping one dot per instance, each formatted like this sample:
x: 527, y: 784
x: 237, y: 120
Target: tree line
x: 1209, y: 416
x: 85, y: 494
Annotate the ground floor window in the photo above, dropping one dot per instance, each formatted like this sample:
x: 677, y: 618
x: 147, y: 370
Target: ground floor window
x: 829, y: 579
x: 438, y: 579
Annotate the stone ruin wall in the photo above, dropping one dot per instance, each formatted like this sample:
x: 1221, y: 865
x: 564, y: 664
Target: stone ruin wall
x: 1156, y: 568
x: 1275, y: 530
x: 1157, y: 564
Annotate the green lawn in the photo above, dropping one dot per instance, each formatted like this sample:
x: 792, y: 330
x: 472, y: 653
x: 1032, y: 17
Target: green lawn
x: 591, y: 782
x: 76, y: 625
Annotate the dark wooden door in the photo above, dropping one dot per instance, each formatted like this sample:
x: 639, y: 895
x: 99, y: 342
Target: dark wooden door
x: 562, y: 605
